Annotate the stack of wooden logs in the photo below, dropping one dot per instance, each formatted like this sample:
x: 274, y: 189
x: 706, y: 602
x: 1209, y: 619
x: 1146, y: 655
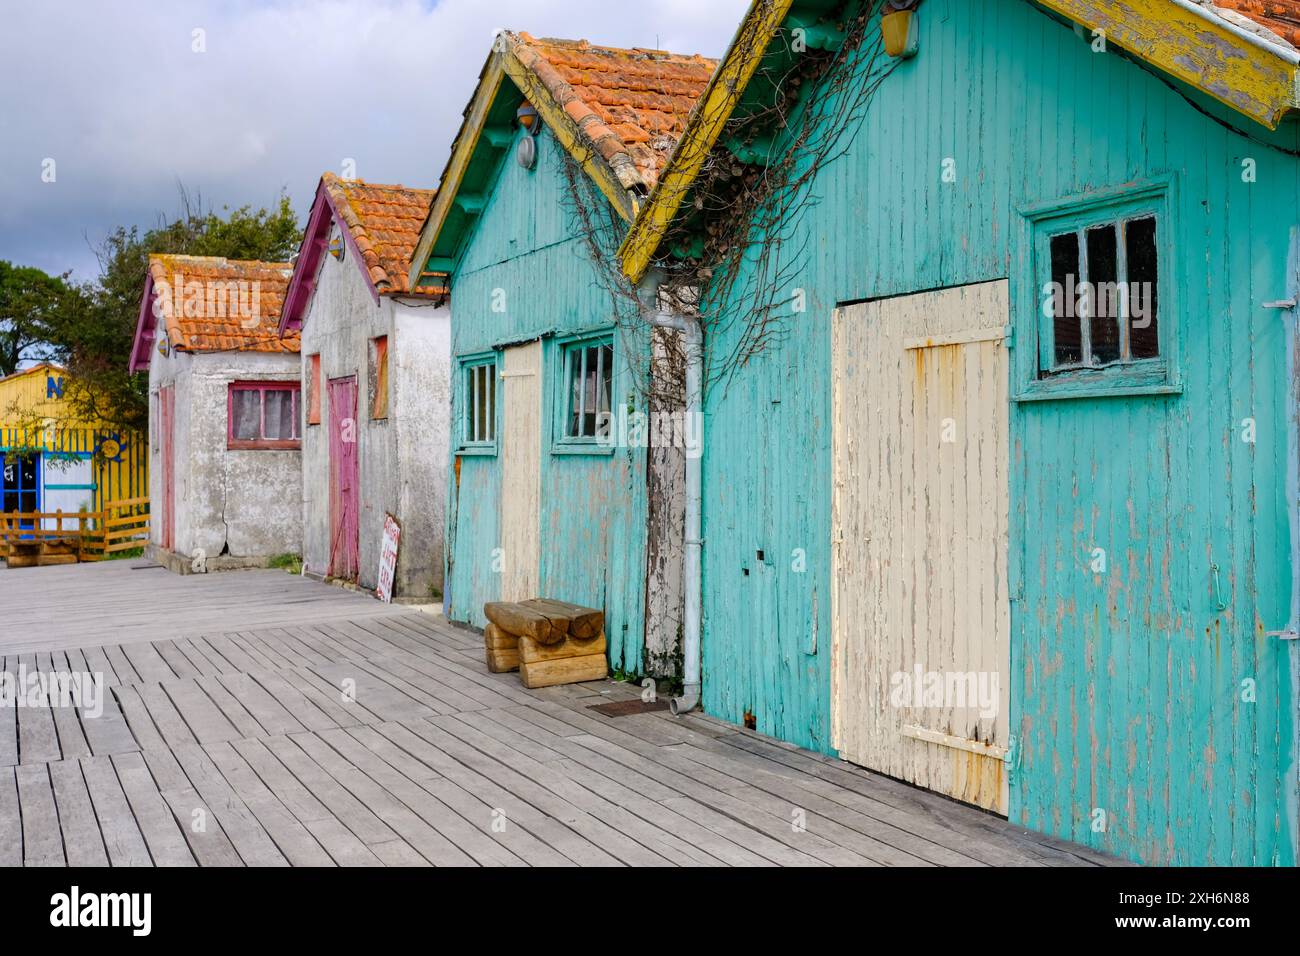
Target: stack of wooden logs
x: 550, y: 642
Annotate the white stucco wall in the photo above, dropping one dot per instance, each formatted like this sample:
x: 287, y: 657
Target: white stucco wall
x: 422, y: 382
x: 245, y: 504
x: 402, y: 459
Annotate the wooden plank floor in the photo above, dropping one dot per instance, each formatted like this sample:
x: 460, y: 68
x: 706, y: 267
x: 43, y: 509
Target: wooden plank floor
x: 119, y: 602
x: 321, y: 728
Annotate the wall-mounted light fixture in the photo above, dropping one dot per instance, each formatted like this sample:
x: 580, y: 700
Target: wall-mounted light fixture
x: 526, y: 149
x: 898, y: 27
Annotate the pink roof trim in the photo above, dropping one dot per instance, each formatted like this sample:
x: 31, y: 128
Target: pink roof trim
x: 315, y: 241
x: 145, y: 329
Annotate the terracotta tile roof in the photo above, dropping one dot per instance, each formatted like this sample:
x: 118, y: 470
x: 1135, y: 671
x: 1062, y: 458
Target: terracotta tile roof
x: 631, y: 104
x: 1282, y: 17
x: 216, y: 320
x: 385, y: 224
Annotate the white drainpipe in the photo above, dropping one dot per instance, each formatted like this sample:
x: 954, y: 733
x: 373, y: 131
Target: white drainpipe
x: 689, y: 326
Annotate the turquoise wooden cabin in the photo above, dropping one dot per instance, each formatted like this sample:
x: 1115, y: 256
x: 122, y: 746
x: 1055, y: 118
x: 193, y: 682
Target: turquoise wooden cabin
x: 963, y: 525
x: 560, y: 144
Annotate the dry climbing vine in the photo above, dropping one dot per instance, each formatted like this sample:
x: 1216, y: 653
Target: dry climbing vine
x: 737, y: 250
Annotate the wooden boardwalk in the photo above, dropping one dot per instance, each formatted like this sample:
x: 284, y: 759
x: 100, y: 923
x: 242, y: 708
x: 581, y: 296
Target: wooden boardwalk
x: 327, y: 729
x: 116, y: 602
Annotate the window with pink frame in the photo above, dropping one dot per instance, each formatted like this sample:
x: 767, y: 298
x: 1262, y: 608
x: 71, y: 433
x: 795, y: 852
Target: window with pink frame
x: 263, y: 415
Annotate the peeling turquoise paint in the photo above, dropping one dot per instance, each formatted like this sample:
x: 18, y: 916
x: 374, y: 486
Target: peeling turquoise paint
x: 527, y: 255
x: 1127, y: 686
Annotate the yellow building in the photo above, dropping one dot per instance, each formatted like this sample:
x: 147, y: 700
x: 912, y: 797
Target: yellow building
x: 51, y: 460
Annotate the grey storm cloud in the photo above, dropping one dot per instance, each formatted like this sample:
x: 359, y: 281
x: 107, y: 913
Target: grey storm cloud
x: 115, y: 94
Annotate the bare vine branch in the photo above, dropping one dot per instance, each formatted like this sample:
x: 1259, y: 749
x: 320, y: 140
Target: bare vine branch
x: 736, y: 250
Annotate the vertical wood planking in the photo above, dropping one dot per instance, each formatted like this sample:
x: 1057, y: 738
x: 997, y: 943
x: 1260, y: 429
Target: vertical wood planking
x: 521, y: 449
x: 920, y: 485
x: 1127, y: 684
x: 526, y: 275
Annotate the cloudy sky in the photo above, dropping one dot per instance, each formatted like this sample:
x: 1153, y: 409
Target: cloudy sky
x: 115, y: 94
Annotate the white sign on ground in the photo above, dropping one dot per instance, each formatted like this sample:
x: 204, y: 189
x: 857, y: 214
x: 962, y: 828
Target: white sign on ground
x: 388, y: 559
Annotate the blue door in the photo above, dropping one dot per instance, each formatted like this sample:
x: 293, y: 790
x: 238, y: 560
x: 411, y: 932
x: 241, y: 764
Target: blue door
x: 21, y: 487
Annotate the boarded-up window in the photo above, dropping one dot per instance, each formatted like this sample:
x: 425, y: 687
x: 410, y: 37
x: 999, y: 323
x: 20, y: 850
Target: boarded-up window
x: 379, y: 377
x: 313, y: 389
x: 480, y: 403
x: 263, y: 415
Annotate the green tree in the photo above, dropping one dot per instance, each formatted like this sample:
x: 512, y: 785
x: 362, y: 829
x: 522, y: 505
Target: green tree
x: 93, y: 330
x: 30, y: 301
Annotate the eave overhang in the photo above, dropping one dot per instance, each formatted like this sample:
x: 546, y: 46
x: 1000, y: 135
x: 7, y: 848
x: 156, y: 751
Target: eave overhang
x: 1248, y: 73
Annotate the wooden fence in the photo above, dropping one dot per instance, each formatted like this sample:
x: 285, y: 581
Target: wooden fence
x: 66, y: 537
x: 118, y: 476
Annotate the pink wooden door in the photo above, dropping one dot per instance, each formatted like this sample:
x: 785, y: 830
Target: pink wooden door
x: 344, y: 491
x: 166, y: 427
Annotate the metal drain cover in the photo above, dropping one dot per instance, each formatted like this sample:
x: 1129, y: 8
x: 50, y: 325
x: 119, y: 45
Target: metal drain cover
x: 624, y: 708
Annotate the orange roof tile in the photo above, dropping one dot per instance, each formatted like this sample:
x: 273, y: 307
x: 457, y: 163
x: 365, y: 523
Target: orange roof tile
x: 212, y: 304
x: 385, y: 224
x: 1282, y: 17
x: 631, y: 104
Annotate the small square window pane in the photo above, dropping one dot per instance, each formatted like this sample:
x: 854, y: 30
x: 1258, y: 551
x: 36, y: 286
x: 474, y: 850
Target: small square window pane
x: 1103, y: 279
x: 246, y: 407
x: 279, y: 415
x: 1067, y: 335
x: 1143, y: 276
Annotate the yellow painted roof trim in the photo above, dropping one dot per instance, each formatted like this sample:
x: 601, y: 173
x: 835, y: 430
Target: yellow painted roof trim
x: 570, y: 137
x: 702, y: 131
x: 1245, y: 72
x: 503, y: 63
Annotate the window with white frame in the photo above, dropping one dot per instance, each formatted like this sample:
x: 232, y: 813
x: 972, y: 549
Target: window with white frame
x: 588, y: 387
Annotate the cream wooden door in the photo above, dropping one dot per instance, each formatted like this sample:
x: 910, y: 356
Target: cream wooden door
x: 920, y: 657
x: 521, y: 457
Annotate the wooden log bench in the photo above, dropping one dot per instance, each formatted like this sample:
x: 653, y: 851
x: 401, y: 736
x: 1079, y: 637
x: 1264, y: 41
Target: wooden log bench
x: 549, y: 642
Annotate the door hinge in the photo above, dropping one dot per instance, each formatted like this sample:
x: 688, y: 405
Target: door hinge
x: 1288, y: 635
x: 1012, y: 757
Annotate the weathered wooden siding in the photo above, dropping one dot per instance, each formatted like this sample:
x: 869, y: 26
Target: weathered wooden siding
x: 1128, y: 684
x: 526, y: 258
x: 521, y: 452
x: 919, y: 539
